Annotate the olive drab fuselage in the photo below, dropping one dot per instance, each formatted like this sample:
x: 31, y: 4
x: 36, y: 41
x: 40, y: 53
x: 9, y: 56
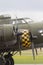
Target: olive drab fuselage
x: 8, y: 37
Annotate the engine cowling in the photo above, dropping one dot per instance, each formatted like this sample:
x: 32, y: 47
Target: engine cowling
x: 6, y: 32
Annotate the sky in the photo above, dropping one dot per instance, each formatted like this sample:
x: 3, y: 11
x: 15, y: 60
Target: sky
x: 23, y: 8
x: 21, y: 5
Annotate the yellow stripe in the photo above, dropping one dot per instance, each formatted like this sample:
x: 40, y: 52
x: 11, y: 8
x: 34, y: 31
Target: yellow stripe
x: 23, y: 35
x: 29, y: 43
x: 26, y: 46
x: 26, y: 42
x: 23, y: 40
x: 23, y: 44
x: 28, y: 39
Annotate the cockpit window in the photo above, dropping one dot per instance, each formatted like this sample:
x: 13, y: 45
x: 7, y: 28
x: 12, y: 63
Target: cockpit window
x: 19, y: 22
x: 23, y: 20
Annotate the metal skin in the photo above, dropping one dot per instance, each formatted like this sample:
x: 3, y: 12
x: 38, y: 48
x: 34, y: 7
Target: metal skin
x: 37, y: 31
x: 7, y: 36
x: 12, y: 37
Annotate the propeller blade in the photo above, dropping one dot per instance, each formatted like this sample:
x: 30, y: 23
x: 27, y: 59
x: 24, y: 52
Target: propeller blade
x: 36, y: 51
x: 20, y: 52
x: 33, y: 51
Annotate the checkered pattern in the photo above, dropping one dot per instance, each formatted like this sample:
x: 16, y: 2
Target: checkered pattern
x: 26, y: 39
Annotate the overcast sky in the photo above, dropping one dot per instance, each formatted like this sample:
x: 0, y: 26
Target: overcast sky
x: 32, y: 8
x: 21, y: 5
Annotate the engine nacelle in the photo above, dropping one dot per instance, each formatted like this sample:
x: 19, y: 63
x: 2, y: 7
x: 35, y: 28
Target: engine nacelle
x: 6, y: 32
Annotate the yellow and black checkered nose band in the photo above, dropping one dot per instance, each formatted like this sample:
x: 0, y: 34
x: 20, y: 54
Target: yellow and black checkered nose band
x: 26, y: 39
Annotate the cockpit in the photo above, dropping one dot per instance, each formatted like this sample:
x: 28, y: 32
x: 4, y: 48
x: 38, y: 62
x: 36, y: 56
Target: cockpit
x: 6, y: 19
x: 22, y: 21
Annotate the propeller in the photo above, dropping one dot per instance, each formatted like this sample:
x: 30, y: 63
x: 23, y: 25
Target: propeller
x: 18, y: 35
x: 33, y: 51
x: 31, y: 38
x: 19, y: 41
x: 36, y: 51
